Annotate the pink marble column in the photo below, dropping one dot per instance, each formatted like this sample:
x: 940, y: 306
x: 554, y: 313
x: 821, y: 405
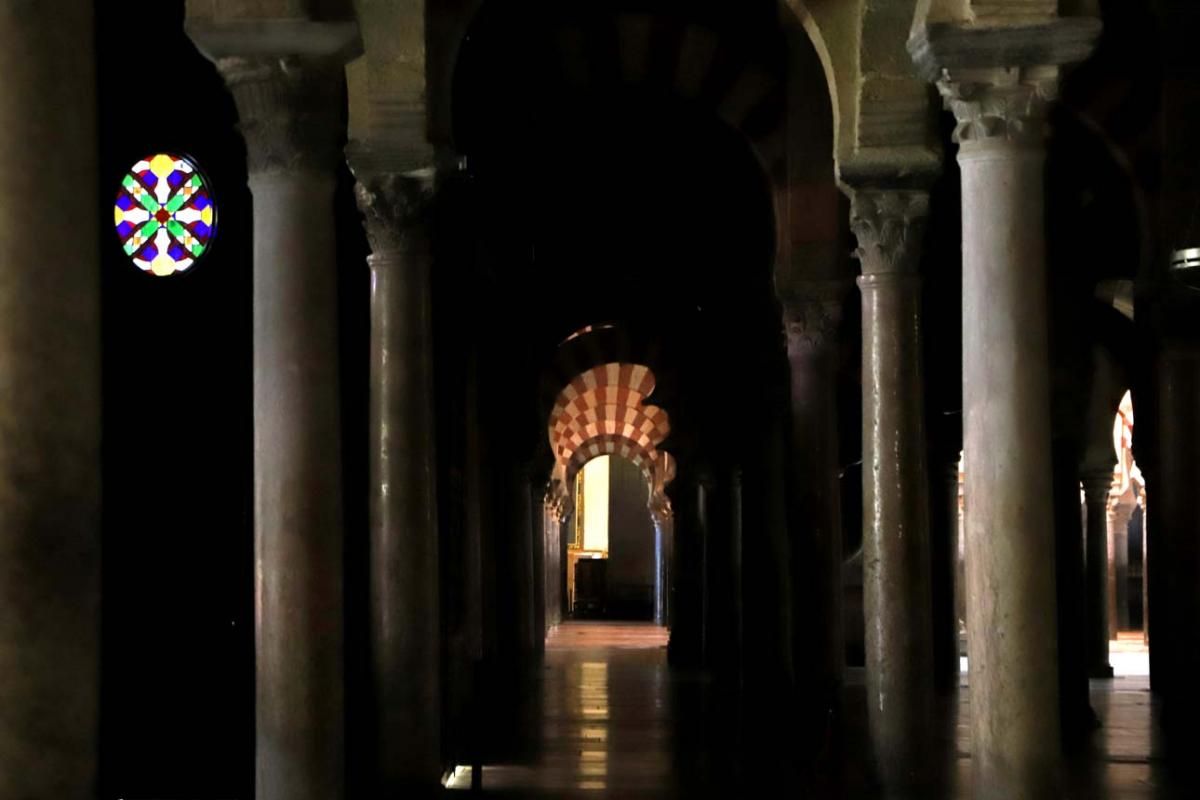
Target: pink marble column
x: 897, y: 595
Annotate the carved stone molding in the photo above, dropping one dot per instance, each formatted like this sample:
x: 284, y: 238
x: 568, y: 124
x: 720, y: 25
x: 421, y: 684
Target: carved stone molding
x: 1004, y: 105
x: 558, y: 501
x: 889, y: 226
x: 395, y: 209
x: 940, y: 47
x: 290, y: 111
x: 660, y: 507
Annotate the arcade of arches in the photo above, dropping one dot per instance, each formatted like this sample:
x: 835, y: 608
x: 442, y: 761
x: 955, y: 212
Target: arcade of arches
x: 848, y: 294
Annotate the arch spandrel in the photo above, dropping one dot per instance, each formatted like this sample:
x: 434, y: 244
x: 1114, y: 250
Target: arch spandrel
x: 832, y: 29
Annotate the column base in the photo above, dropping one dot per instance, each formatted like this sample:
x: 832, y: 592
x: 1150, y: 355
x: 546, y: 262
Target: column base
x: 1100, y: 671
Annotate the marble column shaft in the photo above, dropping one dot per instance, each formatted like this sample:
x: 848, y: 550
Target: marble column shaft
x: 1120, y: 514
x: 685, y: 604
x: 289, y: 111
x: 403, y: 524
x: 897, y: 597
x: 1175, y: 515
x: 1009, y: 520
x: 811, y: 318
x: 1096, y: 489
x: 1110, y: 530
x: 660, y: 610
x: 49, y: 403
x: 553, y: 568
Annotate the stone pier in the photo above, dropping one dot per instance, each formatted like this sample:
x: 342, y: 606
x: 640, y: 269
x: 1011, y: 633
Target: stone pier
x: 50, y: 412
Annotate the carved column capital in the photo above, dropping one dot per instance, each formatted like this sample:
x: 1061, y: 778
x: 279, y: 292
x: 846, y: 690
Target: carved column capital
x: 1097, y: 486
x: 395, y: 210
x: 889, y: 225
x: 1120, y: 512
x: 999, y: 79
x: 290, y: 111
x: 1006, y: 105
x: 811, y: 320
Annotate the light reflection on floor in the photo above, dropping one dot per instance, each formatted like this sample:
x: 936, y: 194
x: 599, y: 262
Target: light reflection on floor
x: 592, y: 761
x: 613, y: 721
x: 605, y: 720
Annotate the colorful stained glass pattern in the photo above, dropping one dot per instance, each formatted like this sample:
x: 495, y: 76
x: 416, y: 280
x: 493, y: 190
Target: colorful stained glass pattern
x: 164, y: 214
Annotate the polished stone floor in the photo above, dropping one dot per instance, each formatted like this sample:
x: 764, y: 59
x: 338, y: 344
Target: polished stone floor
x: 612, y: 720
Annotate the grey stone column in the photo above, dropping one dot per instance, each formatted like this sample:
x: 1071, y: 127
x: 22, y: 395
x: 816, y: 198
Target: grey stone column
x: 897, y: 597
x: 49, y: 404
x: 960, y: 556
x: 403, y: 525
x: 1009, y: 521
x: 1096, y: 489
x: 998, y: 81
x: 812, y: 314
x: 289, y: 109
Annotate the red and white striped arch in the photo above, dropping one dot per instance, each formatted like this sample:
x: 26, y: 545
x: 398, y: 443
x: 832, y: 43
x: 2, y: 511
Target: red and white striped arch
x: 645, y: 427
x: 601, y: 412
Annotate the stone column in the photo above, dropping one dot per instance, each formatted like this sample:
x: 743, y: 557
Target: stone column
x: 1120, y: 512
x: 897, y: 598
x: 290, y: 109
x: 553, y: 564
x: 1009, y: 520
x: 403, y: 526
x: 529, y: 639
x: 998, y: 82
x: 660, y: 587
x: 49, y: 404
x: 1096, y: 489
x: 812, y: 314
x: 960, y: 556
x: 1178, y: 522
x: 944, y: 580
x: 1145, y: 571
x: 1110, y: 530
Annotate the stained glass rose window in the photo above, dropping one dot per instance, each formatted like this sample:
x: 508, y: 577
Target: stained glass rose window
x: 164, y: 214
